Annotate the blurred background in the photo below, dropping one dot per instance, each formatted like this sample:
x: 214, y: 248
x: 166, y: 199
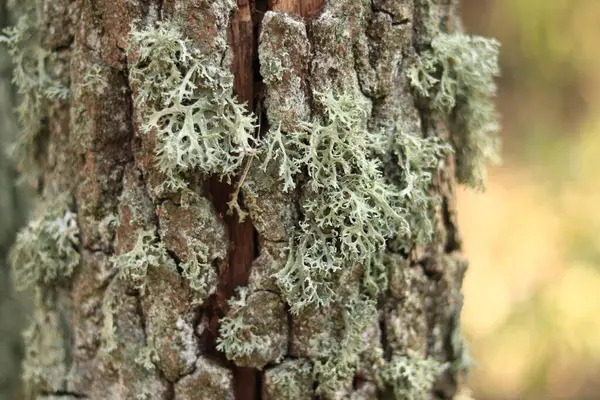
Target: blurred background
x: 532, y: 293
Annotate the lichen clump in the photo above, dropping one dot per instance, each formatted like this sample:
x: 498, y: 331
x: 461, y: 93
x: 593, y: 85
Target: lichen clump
x: 350, y: 208
x: 34, y: 75
x: 338, y: 357
x: 186, y: 99
x: 147, y: 251
x: 198, y: 270
x: 238, y: 338
x: 456, y: 77
x: 46, y: 249
x: 410, y: 377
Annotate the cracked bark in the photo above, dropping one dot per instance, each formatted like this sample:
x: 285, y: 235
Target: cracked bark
x: 96, y: 153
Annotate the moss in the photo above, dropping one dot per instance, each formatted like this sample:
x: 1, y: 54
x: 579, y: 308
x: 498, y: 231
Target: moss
x: 46, y: 249
x: 36, y: 81
x: 456, y: 77
x: 410, y: 377
x: 186, y: 99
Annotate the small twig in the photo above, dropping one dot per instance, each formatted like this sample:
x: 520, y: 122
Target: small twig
x: 233, y: 203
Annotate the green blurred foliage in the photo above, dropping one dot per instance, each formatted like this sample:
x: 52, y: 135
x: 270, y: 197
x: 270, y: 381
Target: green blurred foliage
x: 12, y: 204
x: 533, y: 290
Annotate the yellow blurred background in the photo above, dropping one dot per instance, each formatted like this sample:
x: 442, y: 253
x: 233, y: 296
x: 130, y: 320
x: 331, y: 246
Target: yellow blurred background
x: 532, y: 293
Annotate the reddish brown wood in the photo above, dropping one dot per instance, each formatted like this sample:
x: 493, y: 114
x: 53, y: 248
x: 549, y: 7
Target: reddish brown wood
x: 302, y: 8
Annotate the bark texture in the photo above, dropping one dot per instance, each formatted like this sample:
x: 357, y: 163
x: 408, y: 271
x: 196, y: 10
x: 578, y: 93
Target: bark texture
x: 97, y: 336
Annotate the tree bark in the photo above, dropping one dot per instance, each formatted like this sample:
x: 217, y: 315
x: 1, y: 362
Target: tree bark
x: 92, y: 150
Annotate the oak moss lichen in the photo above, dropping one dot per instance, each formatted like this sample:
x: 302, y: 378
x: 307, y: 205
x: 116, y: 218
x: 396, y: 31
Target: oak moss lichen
x: 410, y: 377
x: 456, y: 78
x: 148, y: 251
x: 186, y: 99
x: 47, y: 248
x: 351, y: 210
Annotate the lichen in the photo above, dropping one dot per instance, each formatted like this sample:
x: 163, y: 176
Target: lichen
x: 198, y: 270
x: 253, y: 333
x: 409, y: 376
x: 108, y: 327
x: 186, y: 99
x: 291, y: 380
x: 456, y: 77
x: 347, y: 207
x: 35, y: 77
x: 46, y: 249
x: 338, y: 357
x: 238, y: 339
x: 415, y: 158
x: 148, y: 251
x: 147, y: 357
x: 351, y: 210
x: 94, y: 79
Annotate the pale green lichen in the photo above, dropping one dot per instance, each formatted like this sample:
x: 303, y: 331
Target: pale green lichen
x: 338, y: 357
x: 46, y: 249
x: 94, y: 79
x: 291, y: 380
x: 348, y: 204
x: 108, y: 328
x: 34, y: 77
x: 148, y: 251
x: 147, y: 357
x: 456, y: 76
x: 351, y: 210
x: 198, y: 270
x: 238, y: 338
x: 410, y: 377
x: 186, y: 99
x: 415, y: 159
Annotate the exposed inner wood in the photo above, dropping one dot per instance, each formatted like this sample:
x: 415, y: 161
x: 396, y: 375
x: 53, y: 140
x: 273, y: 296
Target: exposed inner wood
x: 243, y: 38
x: 301, y: 8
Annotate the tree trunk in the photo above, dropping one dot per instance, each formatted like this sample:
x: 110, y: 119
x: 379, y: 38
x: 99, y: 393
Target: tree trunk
x: 138, y: 298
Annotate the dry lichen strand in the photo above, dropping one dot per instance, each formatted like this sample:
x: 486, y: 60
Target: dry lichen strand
x: 456, y: 78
